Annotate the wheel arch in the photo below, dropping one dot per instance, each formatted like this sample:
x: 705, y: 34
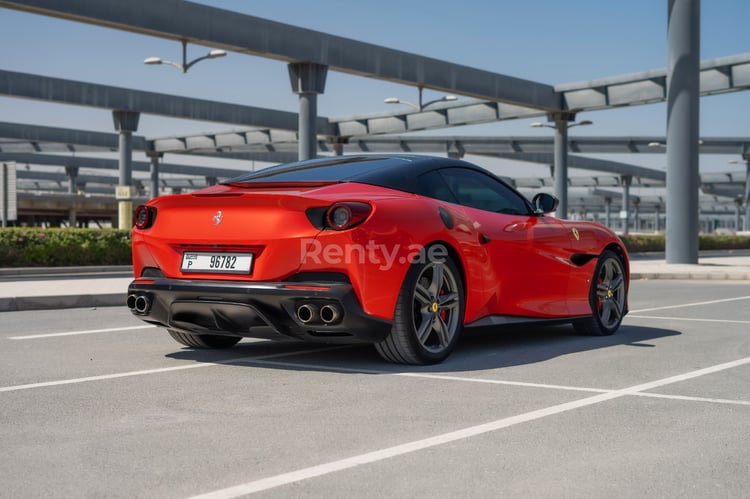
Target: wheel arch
x: 622, y: 254
x: 455, y: 256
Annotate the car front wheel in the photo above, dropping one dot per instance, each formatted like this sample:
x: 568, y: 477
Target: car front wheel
x: 429, y: 314
x: 606, y: 296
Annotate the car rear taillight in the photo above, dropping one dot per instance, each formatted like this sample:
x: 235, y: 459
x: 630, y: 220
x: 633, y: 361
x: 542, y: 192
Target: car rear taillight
x: 345, y: 215
x: 144, y: 217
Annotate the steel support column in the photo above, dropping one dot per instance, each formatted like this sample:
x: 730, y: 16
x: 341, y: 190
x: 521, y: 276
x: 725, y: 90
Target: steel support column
x: 561, y: 162
x: 153, y: 172
x: 683, y: 131
x: 72, y: 173
x: 625, y: 213
x: 737, y: 214
x: 308, y: 80
x: 746, y: 198
x: 608, y: 212
x: 636, y: 215
x: 126, y: 122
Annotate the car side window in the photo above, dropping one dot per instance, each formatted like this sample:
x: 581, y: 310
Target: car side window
x: 432, y: 185
x: 483, y: 192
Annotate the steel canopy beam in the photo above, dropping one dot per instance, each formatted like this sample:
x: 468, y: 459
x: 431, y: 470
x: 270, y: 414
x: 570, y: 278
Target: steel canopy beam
x: 57, y: 180
x: 720, y: 75
x: 62, y: 91
x: 273, y: 145
x: 467, y: 144
x: 580, y: 181
x: 203, y: 25
x: 112, y: 164
x: 66, y: 136
x: 584, y: 163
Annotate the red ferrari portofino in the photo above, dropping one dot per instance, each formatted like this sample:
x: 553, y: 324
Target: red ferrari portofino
x: 399, y: 251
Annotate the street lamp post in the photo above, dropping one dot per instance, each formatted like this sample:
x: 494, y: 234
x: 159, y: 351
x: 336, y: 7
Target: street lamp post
x: 420, y: 106
x: 184, y: 66
x: 562, y: 123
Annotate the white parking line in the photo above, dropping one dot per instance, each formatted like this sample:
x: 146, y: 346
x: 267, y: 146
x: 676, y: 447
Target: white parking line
x: 399, y: 450
x: 161, y: 370
x: 694, y: 399
x: 74, y: 333
x: 712, y: 302
x: 686, y: 319
x: 424, y: 375
x: 501, y: 382
x: 464, y: 379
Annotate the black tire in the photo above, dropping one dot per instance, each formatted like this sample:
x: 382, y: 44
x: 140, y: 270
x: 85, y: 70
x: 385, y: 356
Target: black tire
x: 204, y: 340
x: 606, y: 297
x: 429, y: 313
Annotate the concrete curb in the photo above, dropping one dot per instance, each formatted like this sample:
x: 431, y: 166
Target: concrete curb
x: 26, y: 303
x: 687, y: 276
x: 32, y: 271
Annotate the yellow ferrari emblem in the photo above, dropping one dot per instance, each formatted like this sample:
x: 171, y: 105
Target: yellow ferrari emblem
x: 434, y: 307
x: 576, y: 234
x: 609, y: 293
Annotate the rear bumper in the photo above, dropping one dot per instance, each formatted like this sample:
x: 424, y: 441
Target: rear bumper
x: 240, y: 309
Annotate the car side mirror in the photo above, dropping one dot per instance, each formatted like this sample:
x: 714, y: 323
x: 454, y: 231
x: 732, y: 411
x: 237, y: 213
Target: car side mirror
x: 545, y: 203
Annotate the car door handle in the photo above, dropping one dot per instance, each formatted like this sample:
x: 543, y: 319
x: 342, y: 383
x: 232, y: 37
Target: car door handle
x: 516, y: 226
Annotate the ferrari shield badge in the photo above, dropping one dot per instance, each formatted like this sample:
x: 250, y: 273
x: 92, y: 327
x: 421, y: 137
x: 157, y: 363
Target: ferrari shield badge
x: 575, y: 233
x: 218, y: 218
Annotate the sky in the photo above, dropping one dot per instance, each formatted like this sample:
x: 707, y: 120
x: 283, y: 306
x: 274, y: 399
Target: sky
x: 549, y: 41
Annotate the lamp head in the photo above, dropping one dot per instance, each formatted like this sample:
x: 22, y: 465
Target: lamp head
x: 152, y: 60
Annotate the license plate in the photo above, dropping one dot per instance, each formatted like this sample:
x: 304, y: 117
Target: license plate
x: 220, y: 263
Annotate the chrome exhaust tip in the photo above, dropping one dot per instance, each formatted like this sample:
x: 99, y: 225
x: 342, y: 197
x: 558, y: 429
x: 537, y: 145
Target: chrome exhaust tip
x: 307, y: 313
x: 142, y: 304
x: 330, y: 314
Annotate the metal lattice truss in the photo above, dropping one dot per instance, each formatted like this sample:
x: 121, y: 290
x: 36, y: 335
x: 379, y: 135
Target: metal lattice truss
x: 38, y: 145
x: 727, y: 74
x: 268, y: 135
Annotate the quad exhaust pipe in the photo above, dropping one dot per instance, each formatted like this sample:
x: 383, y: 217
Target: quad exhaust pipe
x: 329, y: 314
x: 308, y: 313
x: 139, y: 304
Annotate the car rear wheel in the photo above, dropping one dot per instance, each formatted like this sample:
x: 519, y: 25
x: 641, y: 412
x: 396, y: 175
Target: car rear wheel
x: 429, y: 313
x: 606, y: 296
x: 204, y: 340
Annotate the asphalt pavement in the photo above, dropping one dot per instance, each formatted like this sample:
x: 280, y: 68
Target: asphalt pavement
x: 95, y: 403
x: 80, y: 287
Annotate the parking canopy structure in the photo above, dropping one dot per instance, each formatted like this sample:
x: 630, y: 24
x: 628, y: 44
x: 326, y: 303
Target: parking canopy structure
x: 485, y: 97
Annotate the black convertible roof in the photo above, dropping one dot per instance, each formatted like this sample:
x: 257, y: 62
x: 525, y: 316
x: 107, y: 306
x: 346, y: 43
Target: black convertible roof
x: 393, y: 171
